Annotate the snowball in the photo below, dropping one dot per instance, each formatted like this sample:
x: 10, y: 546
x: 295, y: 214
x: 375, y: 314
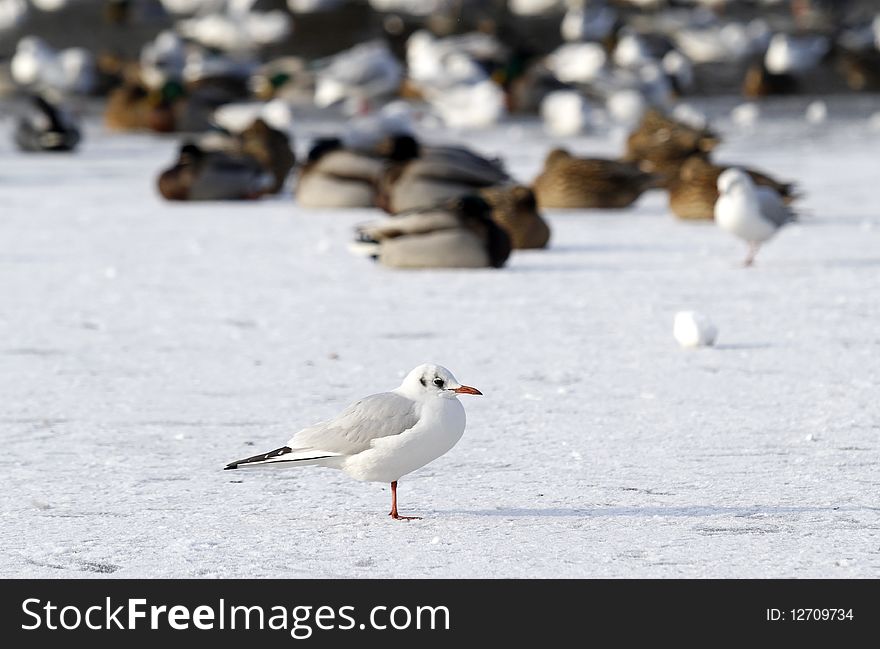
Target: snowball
x: 692, y: 329
x: 817, y: 112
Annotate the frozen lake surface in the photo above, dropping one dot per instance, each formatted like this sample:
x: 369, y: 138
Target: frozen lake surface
x: 143, y: 345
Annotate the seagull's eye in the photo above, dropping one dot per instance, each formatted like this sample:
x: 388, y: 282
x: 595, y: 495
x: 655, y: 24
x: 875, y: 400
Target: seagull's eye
x: 438, y: 383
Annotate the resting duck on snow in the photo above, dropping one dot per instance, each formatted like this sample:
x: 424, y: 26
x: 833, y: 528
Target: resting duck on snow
x: 571, y: 182
x: 338, y: 176
x: 46, y: 127
x: 261, y: 131
x: 457, y: 234
x: 515, y: 209
x: 660, y: 144
x: 439, y: 173
x: 202, y: 175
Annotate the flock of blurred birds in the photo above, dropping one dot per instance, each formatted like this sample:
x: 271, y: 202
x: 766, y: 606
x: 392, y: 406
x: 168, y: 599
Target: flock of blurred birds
x: 612, y: 64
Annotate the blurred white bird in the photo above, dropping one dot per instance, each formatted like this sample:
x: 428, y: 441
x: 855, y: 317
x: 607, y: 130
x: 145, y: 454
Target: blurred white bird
x: 446, y: 62
x: 626, y: 106
x: 476, y: 105
x: 719, y: 43
x: 565, y: 113
x: 752, y: 212
x: 12, y: 14
x: 631, y: 52
x: 365, y: 132
x: 358, y: 76
x: 50, y: 6
x: 788, y: 54
x: 189, y: 7
x: 236, y: 117
x: 312, y: 6
x: 533, y: 7
x: 578, y: 62
x: 679, y: 69
x: 38, y: 66
x: 162, y: 59
x: 588, y: 22
x: 411, y: 7
x: 238, y: 28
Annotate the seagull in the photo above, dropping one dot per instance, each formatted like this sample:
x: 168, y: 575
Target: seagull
x: 383, y: 437
x: 751, y: 212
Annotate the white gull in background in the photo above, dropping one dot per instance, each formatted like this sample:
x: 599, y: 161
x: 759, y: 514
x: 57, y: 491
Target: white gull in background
x: 788, y: 54
x: 565, y: 112
x: 37, y: 65
x: 359, y: 76
x: 383, y: 437
x: 12, y: 13
x: 238, y: 28
x: 588, y: 21
x: 752, y: 212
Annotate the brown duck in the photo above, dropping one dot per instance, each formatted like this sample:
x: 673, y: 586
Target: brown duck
x: 660, y: 144
x: 515, y: 209
x: 692, y: 194
x: 271, y: 148
x: 571, y: 182
x: 132, y: 106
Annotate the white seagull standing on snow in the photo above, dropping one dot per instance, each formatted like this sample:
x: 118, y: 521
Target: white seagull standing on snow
x: 383, y: 437
x: 751, y: 212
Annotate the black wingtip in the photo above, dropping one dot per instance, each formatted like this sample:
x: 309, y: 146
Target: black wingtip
x: 230, y: 466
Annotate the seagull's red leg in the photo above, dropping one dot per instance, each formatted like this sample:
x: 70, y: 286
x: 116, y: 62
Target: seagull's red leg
x: 394, y: 513
x: 753, y: 250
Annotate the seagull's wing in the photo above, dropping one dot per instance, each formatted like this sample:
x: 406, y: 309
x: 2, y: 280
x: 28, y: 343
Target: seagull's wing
x: 379, y: 415
x: 773, y: 208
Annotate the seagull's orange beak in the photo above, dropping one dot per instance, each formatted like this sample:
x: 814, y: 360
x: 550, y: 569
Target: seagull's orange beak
x: 466, y: 389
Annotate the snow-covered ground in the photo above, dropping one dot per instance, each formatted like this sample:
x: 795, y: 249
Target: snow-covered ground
x: 143, y: 345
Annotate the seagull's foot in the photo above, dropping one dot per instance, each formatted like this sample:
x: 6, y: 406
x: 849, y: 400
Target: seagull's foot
x: 398, y: 517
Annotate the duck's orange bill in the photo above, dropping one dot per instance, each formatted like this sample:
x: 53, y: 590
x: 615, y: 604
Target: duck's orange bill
x: 466, y: 389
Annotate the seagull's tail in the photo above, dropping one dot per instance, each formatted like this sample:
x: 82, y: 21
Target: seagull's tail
x: 284, y: 456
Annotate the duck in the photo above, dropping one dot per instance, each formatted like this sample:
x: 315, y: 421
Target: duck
x: 271, y: 148
x: 660, y: 144
x: 203, y: 175
x: 260, y: 130
x: 456, y: 234
x: 570, y: 182
x: 754, y: 213
x: 436, y: 174
x: 515, y: 209
x: 134, y: 106
x: 47, y: 127
x: 694, y: 192
x: 335, y: 175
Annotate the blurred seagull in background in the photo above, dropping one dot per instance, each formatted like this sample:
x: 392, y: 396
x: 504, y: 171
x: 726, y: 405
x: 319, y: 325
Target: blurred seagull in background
x: 753, y: 213
x: 383, y: 437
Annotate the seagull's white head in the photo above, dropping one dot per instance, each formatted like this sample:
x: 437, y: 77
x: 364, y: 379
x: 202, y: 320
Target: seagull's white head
x: 733, y: 178
x: 434, y: 380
